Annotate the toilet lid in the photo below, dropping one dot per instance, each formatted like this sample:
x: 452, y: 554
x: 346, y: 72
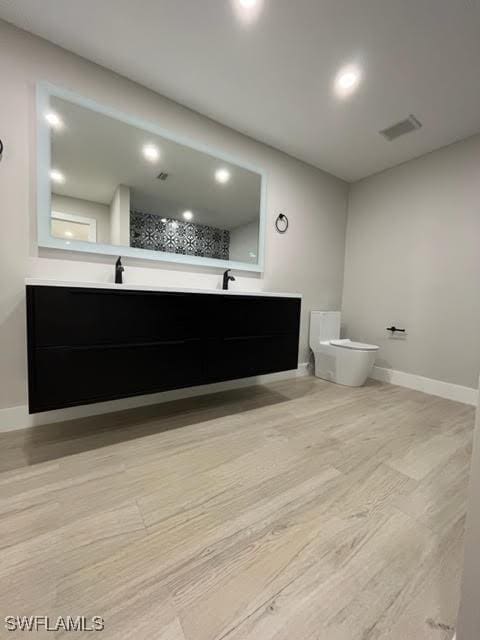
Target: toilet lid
x: 348, y: 344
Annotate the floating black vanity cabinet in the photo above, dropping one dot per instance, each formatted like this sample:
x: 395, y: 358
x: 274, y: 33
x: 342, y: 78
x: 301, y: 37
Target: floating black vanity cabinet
x: 90, y: 345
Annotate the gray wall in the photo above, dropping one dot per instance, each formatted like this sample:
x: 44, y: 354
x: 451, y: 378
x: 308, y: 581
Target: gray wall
x: 308, y: 259
x: 468, y: 625
x: 244, y: 242
x: 413, y: 260
x: 120, y: 216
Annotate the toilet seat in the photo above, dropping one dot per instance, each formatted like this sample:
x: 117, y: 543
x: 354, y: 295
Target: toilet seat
x: 356, y: 346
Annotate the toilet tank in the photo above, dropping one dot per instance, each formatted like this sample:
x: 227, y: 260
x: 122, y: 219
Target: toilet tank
x: 324, y: 325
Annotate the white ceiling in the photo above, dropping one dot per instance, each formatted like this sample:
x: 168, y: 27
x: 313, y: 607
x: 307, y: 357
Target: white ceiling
x: 271, y: 77
x: 96, y: 153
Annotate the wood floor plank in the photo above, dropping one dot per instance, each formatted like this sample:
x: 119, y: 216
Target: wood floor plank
x: 440, y: 498
x: 422, y: 459
x: 143, y: 614
x: 315, y: 603
x: 428, y: 606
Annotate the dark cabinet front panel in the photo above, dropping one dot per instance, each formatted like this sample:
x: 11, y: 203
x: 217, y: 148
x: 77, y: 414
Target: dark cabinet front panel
x: 70, y: 376
x: 256, y: 316
x: 243, y: 357
x: 78, y: 316
x: 92, y: 345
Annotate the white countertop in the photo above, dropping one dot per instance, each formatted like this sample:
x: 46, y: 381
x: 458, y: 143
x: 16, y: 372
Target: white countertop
x: 37, y: 282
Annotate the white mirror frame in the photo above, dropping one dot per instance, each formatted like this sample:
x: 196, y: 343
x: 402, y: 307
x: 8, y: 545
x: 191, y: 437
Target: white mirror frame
x: 44, y: 91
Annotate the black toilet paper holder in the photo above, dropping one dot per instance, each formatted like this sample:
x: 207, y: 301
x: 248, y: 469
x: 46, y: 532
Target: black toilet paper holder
x: 394, y: 329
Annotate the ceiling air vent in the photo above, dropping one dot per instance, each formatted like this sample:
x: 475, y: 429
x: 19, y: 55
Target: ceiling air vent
x: 162, y: 176
x: 401, y: 128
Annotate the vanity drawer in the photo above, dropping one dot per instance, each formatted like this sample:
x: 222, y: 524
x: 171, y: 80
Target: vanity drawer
x: 71, y: 376
x: 242, y: 357
x: 253, y: 316
x: 80, y: 316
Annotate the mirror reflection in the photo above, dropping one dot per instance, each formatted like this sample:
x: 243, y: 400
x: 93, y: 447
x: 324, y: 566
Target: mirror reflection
x: 116, y: 184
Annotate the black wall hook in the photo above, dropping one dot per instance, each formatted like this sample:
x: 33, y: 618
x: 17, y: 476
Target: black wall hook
x: 1, y: 148
x: 394, y: 329
x: 281, y: 223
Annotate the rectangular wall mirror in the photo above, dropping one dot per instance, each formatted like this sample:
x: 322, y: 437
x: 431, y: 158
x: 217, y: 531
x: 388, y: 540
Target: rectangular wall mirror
x: 110, y: 183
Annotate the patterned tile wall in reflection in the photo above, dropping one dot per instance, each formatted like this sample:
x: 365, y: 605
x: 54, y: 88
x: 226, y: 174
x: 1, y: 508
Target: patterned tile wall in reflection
x: 147, y: 231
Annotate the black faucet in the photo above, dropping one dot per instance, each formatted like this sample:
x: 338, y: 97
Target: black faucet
x: 119, y: 271
x: 226, y: 278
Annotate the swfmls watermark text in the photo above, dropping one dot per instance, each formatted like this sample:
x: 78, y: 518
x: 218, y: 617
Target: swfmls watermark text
x: 49, y: 623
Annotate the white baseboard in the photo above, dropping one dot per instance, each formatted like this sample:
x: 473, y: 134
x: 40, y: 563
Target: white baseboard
x: 447, y: 390
x: 14, y: 418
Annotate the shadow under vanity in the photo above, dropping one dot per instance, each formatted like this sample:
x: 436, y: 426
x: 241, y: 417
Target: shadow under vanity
x: 92, y: 343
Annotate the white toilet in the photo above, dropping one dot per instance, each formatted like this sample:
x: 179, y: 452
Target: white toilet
x: 341, y: 361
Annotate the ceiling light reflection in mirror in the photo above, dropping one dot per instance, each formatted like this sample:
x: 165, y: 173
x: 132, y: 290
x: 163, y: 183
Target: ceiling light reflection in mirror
x: 222, y: 175
x: 151, y: 152
x: 347, y: 80
x: 57, y: 176
x: 54, y: 120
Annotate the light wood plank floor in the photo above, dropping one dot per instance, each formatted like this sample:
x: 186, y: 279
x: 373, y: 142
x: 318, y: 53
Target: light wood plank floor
x: 301, y: 510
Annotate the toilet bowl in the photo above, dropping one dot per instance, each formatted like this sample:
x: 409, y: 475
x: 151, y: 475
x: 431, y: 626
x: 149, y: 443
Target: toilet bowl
x: 341, y: 361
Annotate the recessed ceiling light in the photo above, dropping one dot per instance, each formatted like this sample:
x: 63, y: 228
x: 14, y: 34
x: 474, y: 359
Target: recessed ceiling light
x: 248, y: 11
x: 151, y: 152
x: 347, y: 80
x: 54, y: 120
x: 188, y: 215
x: 68, y: 234
x: 222, y: 175
x: 57, y: 176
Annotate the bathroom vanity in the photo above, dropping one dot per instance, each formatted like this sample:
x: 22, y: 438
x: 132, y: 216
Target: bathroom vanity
x: 95, y: 342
